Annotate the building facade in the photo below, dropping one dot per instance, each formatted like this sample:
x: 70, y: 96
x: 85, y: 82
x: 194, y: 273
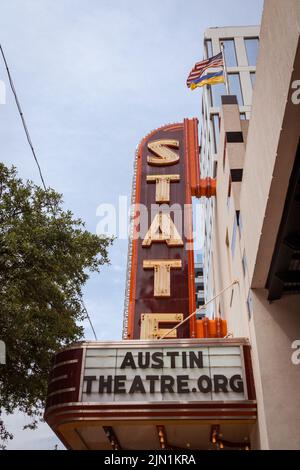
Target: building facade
x: 240, y: 50
x: 180, y: 382
x: 256, y: 231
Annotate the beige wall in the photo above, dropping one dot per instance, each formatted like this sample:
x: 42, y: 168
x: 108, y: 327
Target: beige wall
x: 271, y: 146
x: 267, y: 159
x: 227, y: 263
x: 277, y: 325
x: 208, y: 156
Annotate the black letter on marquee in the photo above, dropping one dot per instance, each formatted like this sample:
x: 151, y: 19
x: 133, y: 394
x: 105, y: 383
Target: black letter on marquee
x: 166, y: 384
x: 184, y: 366
x: 236, y: 384
x: 146, y: 363
x: 152, y: 379
x: 196, y: 360
x: 172, y: 355
x: 220, y: 383
x: 105, y: 384
x: 89, y: 380
x: 120, y: 384
x: 137, y: 385
x: 182, y: 384
x: 157, y: 359
x: 204, y: 378
x: 128, y: 361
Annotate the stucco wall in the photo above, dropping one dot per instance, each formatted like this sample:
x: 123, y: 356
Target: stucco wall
x: 271, y: 140
x: 276, y: 326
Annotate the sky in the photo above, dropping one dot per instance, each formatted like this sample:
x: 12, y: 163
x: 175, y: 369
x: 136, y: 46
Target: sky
x: 93, y: 77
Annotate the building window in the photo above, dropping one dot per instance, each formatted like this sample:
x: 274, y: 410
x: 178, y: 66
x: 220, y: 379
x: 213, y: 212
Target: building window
x: 252, y: 76
x: 229, y: 51
x: 208, y: 48
x: 216, y: 130
x: 231, y: 297
x: 251, y: 45
x: 234, y: 85
x: 209, y: 95
x: 233, y: 240
x: 249, y: 305
x: 215, y: 168
x: 236, y: 174
x: 243, y: 116
x: 229, y: 194
x: 240, y: 222
x: 244, y: 263
x: 220, y: 311
x: 216, y: 91
x: 224, y: 156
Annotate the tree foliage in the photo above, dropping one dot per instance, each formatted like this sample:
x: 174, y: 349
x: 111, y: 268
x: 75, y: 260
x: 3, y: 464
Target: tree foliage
x: 45, y: 257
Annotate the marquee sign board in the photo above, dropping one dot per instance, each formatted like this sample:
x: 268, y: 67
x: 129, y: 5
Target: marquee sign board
x: 110, y: 374
x: 160, y: 374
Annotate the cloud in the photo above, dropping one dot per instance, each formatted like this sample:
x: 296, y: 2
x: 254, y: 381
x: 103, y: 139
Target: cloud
x: 41, y: 438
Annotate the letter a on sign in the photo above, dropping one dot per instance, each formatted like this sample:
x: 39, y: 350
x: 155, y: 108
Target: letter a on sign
x: 165, y: 156
x: 163, y: 229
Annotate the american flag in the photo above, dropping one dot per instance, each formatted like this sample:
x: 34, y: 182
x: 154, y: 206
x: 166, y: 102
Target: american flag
x: 200, y: 67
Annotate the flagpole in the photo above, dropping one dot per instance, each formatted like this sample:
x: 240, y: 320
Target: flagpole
x: 225, y: 68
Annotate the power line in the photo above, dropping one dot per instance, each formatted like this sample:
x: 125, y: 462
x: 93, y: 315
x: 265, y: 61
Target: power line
x: 202, y: 307
x: 11, y: 83
x: 84, y: 307
x: 22, y: 117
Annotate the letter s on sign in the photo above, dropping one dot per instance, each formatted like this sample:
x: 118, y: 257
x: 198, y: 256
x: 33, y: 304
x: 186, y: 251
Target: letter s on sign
x: 164, y: 155
x: 296, y: 354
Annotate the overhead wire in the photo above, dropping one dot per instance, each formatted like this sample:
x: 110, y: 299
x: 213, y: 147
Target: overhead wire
x: 12, y: 86
x: 26, y: 130
x: 90, y: 321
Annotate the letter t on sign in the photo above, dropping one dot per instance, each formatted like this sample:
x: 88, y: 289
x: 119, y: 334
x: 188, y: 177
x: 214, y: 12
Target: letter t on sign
x: 162, y: 282
x: 162, y: 192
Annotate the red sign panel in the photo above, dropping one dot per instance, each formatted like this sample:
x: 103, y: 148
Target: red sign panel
x: 162, y: 260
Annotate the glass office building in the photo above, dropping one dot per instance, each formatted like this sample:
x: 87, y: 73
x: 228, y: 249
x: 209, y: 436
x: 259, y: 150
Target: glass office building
x: 241, y: 50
